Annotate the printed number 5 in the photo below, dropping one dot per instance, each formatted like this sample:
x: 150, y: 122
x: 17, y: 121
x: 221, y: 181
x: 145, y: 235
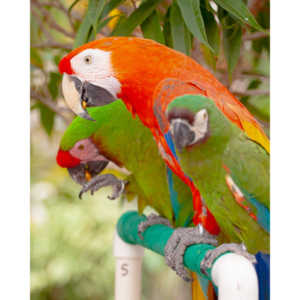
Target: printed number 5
x: 124, y: 269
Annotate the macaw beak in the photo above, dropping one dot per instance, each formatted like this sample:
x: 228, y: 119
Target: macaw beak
x: 80, y: 95
x: 82, y: 173
x: 182, y: 134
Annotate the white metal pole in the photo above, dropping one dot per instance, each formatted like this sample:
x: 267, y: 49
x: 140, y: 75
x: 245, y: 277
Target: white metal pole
x: 235, y: 277
x: 128, y: 272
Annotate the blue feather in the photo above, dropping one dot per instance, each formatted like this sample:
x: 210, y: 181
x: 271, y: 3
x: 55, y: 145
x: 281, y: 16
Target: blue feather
x: 173, y: 193
x: 263, y: 213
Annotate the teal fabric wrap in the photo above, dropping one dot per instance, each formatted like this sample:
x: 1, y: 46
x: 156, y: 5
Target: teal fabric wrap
x: 155, y: 239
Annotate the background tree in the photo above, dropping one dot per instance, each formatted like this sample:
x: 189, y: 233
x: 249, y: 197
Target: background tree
x: 229, y: 37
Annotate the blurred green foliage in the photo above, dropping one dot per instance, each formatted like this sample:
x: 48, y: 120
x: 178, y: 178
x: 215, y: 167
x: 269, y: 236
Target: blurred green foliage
x: 71, y: 240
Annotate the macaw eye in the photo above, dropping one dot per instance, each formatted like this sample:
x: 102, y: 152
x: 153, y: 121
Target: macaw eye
x: 88, y: 59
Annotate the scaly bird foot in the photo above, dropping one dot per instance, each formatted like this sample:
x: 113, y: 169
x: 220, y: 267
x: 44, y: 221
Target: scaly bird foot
x: 177, y: 244
x: 152, y: 219
x: 100, y: 181
x: 211, y: 255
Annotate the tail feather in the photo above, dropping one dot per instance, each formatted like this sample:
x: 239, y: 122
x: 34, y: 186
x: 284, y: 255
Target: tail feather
x: 202, y: 288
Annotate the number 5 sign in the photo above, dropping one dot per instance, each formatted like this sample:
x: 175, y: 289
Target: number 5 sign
x: 128, y: 274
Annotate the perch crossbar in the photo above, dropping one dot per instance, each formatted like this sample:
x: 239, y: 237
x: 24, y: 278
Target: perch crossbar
x: 233, y: 275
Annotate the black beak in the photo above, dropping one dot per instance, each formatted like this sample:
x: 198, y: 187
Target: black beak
x: 78, y: 173
x: 183, y: 135
x: 91, y: 95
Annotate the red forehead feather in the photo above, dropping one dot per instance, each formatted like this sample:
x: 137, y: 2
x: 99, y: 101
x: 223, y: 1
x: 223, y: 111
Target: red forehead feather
x: 65, y: 66
x: 66, y: 160
x: 65, y: 63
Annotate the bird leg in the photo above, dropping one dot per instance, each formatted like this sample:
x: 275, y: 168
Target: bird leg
x: 180, y: 239
x: 100, y: 181
x: 211, y: 255
x: 152, y: 219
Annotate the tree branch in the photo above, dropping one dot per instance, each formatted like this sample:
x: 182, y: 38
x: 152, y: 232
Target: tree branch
x: 250, y: 92
x: 256, y: 36
x: 50, y: 104
x: 51, y: 22
x: 41, y: 24
x: 53, y: 45
x: 59, y: 5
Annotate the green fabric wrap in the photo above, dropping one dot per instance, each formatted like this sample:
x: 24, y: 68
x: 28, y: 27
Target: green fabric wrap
x: 155, y: 239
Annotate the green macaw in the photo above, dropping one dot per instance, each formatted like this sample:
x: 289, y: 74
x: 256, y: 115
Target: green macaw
x: 115, y: 136
x: 230, y: 170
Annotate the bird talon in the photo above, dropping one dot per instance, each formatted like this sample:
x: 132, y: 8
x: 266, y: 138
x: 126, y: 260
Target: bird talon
x: 177, y: 244
x: 100, y: 181
x: 212, y: 255
x: 152, y: 219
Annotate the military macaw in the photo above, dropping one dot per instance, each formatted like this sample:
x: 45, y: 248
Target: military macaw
x: 230, y: 170
x: 139, y: 71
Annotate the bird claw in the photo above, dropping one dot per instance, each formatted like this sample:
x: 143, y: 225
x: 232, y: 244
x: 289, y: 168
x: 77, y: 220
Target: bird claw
x: 177, y: 244
x: 100, y: 181
x: 213, y: 254
x: 152, y: 219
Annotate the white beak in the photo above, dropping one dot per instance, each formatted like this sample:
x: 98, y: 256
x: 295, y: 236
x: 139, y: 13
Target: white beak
x: 72, y: 97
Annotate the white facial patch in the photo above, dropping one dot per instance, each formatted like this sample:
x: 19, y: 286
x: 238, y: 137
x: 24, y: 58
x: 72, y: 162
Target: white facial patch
x: 94, y: 66
x: 200, y: 126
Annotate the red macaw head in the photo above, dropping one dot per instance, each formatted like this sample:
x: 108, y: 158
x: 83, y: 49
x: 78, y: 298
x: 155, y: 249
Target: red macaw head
x: 90, y: 74
x: 101, y: 71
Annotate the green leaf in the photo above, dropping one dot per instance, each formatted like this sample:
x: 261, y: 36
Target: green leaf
x: 180, y: 35
x: 190, y: 10
x: 90, y: 20
x: 35, y: 58
x: 105, y: 22
x: 209, y: 57
x: 97, y: 15
x: 86, y: 24
x: 53, y: 84
x: 110, y: 5
x: 138, y: 16
x: 254, y: 84
x: 232, y: 41
x: 260, y: 107
x: 151, y: 28
x: 213, y: 35
x: 167, y: 29
x: 72, y: 5
x: 239, y: 10
x: 47, y: 118
x: 212, y: 30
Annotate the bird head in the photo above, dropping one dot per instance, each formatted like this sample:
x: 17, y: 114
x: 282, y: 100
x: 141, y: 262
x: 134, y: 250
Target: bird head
x: 195, y: 120
x: 88, y: 78
x: 83, y: 161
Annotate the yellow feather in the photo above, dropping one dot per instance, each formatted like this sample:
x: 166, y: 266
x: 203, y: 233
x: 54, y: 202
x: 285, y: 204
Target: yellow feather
x: 197, y: 293
x: 256, y: 135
